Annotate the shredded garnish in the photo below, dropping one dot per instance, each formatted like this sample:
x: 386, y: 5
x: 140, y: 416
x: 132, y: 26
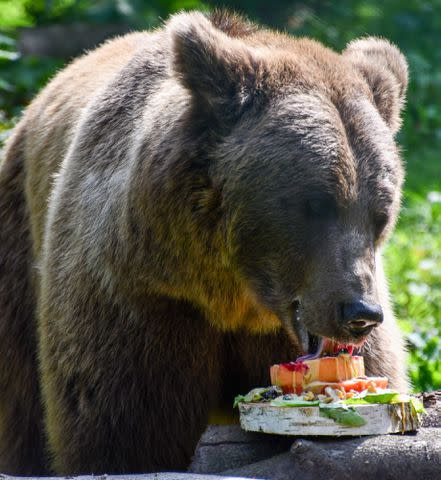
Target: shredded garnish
x: 403, y: 418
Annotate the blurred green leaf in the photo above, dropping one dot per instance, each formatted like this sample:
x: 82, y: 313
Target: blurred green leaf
x: 6, y: 55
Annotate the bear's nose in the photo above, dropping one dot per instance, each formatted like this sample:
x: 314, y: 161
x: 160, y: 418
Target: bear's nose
x: 361, y: 317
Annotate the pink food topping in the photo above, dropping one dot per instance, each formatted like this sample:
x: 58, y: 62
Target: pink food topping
x: 296, y: 366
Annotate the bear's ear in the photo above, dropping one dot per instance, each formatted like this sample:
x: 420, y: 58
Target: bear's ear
x: 384, y: 68
x: 220, y: 71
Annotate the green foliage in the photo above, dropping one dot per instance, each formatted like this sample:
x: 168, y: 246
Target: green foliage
x: 413, y: 256
x: 414, y: 267
x: 137, y: 13
x: 13, y: 14
x: 20, y: 78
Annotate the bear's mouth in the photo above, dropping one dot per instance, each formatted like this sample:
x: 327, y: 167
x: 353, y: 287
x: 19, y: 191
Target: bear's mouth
x: 314, y: 345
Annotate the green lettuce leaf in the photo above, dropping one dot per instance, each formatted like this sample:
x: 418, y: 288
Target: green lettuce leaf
x: 342, y: 414
x: 238, y: 399
x: 355, y: 401
x: 293, y: 401
x: 386, y: 396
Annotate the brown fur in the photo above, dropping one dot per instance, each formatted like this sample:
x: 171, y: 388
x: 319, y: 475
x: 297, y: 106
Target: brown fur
x: 152, y: 201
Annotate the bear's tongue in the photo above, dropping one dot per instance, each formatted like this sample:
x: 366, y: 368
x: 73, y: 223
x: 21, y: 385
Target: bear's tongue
x: 315, y: 348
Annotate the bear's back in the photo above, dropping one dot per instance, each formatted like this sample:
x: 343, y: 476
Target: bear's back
x: 50, y: 122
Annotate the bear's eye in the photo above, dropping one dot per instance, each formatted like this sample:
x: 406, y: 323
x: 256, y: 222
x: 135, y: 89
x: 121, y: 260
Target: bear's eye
x: 380, y: 222
x: 321, y: 207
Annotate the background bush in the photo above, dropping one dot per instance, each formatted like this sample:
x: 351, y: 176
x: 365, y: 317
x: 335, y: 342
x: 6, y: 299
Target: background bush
x: 413, y: 256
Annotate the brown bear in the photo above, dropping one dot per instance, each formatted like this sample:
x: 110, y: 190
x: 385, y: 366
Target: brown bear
x: 180, y: 209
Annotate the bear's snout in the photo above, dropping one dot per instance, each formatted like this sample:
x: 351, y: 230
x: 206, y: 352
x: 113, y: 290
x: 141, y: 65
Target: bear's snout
x: 360, y: 317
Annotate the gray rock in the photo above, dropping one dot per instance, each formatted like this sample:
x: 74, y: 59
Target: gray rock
x: 227, y: 447
x: 150, y: 476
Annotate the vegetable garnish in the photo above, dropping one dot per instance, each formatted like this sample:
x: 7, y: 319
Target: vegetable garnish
x: 238, y: 399
x: 293, y: 400
x: 264, y: 394
x: 417, y: 405
x: 385, y: 396
x: 381, y: 396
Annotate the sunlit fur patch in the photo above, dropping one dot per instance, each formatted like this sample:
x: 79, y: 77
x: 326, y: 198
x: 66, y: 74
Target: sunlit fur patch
x: 242, y: 311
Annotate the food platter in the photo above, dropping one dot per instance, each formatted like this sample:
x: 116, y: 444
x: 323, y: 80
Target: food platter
x: 327, y: 394
x: 379, y: 419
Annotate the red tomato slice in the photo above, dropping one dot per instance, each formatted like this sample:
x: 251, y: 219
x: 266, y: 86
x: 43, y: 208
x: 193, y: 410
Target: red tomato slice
x: 360, y: 384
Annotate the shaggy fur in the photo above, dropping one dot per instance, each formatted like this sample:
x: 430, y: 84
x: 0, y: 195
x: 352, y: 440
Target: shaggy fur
x: 164, y: 203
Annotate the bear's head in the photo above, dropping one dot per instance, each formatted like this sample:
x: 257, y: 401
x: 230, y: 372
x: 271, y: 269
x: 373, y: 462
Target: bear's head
x: 303, y: 155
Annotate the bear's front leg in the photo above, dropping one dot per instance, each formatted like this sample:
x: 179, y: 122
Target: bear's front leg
x: 125, y: 390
